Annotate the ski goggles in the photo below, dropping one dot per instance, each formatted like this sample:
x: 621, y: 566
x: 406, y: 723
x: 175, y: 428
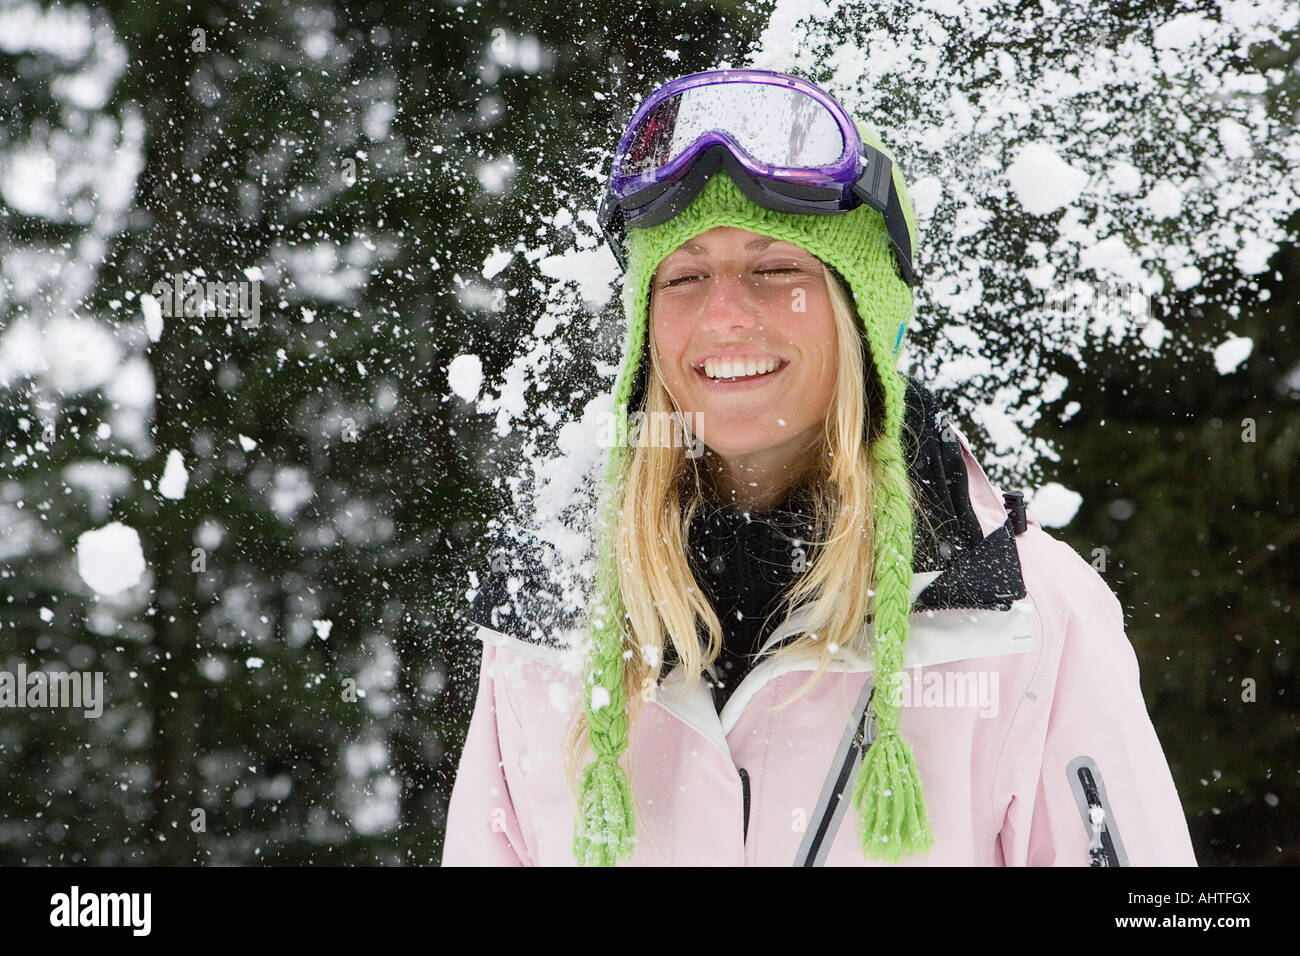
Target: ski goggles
x: 786, y: 144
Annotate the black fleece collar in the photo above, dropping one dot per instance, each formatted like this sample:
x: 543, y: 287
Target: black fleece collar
x: 978, y: 571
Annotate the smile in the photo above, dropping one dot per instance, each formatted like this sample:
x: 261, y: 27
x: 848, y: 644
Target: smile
x: 732, y: 370
x: 740, y: 375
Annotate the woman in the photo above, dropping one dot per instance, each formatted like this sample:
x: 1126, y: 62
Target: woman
x: 828, y: 639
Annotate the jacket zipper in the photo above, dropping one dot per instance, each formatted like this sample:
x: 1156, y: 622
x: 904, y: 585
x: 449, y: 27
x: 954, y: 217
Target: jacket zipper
x: 744, y: 787
x: 863, y: 737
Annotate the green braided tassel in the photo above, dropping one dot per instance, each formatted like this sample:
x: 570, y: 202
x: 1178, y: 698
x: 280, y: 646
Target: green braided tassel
x: 606, y: 830
x: 607, y: 825
x: 887, y: 794
x: 605, y: 833
x: 891, y: 809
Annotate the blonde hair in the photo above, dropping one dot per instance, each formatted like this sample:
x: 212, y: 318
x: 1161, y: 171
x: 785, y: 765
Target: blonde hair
x: 660, y: 491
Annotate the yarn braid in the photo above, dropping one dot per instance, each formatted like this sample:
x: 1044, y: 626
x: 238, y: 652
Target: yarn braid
x: 887, y: 795
x: 606, y: 829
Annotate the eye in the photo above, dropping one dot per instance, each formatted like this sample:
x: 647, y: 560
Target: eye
x: 778, y: 271
x: 680, y: 279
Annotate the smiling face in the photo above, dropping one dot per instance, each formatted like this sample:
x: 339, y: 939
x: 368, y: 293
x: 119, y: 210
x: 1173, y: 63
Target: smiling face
x: 746, y: 342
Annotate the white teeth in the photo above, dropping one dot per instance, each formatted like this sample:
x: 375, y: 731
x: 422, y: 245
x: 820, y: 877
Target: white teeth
x: 738, y: 368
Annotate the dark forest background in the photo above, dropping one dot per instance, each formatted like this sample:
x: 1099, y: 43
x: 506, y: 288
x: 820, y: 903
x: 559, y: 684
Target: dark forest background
x: 366, y: 497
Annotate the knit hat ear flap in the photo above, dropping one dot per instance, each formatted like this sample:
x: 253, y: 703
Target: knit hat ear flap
x: 605, y: 833
x: 887, y: 795
x: 856, y: 244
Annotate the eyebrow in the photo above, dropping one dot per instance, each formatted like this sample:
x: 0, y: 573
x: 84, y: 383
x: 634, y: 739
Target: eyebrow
x: 695, y: 249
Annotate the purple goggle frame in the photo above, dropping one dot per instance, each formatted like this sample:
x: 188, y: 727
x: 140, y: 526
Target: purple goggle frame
x: 787, y: 145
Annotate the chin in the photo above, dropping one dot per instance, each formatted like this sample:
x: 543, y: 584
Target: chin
x: 730, y: 447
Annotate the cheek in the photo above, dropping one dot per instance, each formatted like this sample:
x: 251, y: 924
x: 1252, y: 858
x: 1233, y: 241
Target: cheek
x: 670, y: 340
x: 814, y: 336
x: 812, y: 332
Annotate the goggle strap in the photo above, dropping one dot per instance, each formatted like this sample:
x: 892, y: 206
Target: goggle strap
x: 676, y: 197
x: 901, y: 239
x: 877, y: 179
x: 876, y: 188
x: 610, y: 219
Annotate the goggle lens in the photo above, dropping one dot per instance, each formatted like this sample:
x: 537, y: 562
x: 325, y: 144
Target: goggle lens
x: 776, y: 125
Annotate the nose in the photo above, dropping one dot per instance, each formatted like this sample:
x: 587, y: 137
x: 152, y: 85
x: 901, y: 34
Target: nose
x: 731, y: 302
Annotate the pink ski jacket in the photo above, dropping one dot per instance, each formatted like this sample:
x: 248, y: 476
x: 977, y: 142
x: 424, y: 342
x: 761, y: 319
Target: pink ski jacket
x: 1021, y: 702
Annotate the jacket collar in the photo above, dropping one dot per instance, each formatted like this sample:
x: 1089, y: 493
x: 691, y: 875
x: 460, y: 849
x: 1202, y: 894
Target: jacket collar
x: 974, y: 570
x: 964, y: 567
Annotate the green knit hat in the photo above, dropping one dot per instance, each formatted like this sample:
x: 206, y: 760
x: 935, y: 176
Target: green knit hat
x: 856, y: 244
